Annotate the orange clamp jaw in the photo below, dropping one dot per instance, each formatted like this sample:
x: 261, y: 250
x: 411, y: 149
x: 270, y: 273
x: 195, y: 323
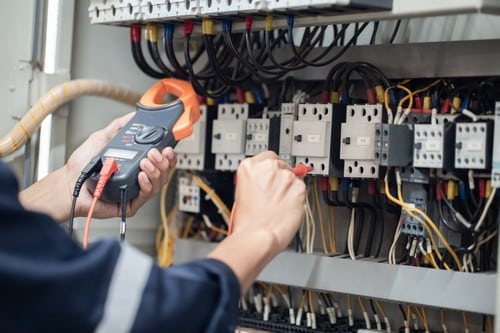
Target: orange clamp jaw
x: 153, y: 99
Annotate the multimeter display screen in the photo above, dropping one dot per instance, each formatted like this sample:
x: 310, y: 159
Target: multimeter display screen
x: 120, y: 153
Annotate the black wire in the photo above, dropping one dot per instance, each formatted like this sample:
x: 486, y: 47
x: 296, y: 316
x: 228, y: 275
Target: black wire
x: 333, y: 58
x: 72, y: 216
x: 155, y: 55
x: 123, y: 209
x: 170, y: 52
x: 374, y: 32
x: 395, y: 31
x: 373, y: 307
x: 403, y: 312
x: 141, y: 62
x: 221, y: 91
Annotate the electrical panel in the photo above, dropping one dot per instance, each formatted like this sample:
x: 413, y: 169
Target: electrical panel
x: 229, y: 135
x: 432, y: 143
x: 109, y: 11
x: 495, y: 172
x: 288, y: 116
x: 389, y: 154
x: 188, y: 196
x: 357, y: 147
x: 312, y: 137
x: 473, y: 145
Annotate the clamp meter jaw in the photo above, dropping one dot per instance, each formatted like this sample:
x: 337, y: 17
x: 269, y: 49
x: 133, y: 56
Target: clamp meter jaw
x: 154, y: 125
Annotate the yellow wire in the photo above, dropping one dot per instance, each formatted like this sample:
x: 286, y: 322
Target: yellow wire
x: 426, y: 225
x: 466, y: 320
x: 489, y: 320
x: 381, y: 309
x: 320, y: 217
x: 269, y: 292
x: 435, y: 229
x: 418, y: 91
x: 361, y: 305
x: 441, y: 315
x: 409, y: 96
x: 165, y: 242
x: 408, y: 315
x: 219, y: 230
x: 349, y: 302
x: 426, y: 319
x: 311, y: 303
x: 331, y: 230
x: 224, y: 211
x: 187, y: 227
x: 303, y: 300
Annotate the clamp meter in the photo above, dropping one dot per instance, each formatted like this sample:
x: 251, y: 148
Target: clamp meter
x: 155, y: 125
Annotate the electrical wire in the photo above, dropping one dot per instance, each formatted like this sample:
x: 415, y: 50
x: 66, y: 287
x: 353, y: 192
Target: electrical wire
x: 165, y: 240
x: 320, y: 217
x: 395, y: 32
x: 135, y: 42
x: 123, y: 209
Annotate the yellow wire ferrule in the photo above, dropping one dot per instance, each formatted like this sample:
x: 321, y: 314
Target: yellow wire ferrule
x: 488, y: 189
x: 427, y: 103
x: 456, y: 104
x: 269, y: 23
x: 152, y: 32
x: 450, y: 191
x: 334, y: 184
x: 335, y: 97
x: 249, y: 97
x: 379, y: 91
x: 207, y: 26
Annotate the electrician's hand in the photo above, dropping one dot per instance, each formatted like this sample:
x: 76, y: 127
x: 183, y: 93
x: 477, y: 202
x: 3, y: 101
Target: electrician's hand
x: 154, y: 174
x: 269, y: 197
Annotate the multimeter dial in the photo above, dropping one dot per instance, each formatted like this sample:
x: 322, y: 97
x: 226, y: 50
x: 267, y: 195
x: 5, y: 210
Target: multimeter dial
x: 150, y: 135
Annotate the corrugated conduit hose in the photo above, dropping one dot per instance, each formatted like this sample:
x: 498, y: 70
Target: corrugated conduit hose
x: 56, y: 97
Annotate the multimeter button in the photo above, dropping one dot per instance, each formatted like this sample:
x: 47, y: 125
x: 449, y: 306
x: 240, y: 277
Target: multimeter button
x: 149, y: 135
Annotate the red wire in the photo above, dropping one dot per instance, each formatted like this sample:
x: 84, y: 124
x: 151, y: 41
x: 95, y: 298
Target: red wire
x: 87, y: 222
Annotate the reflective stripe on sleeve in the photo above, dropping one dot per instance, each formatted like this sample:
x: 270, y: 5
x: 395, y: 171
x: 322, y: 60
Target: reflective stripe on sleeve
x: 125, y: 291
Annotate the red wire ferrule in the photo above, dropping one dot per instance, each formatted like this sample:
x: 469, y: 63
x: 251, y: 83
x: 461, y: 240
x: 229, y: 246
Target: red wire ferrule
x: 418, y: 102
x: 439, y: 197
x: 372, y: 187
x: 325, y: 96
x: 323, y: 183
x: 446, y: 106
x: 371, y: 97
x: 188, y: 28
x: 240, y: 95
x: 482, y: 188
x: 248, y: 23
x: 135, y: 33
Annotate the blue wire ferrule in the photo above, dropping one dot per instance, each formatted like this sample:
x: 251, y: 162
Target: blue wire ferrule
x: 344, y: 185
x: 258, y: 97
x: 435, y: 101
x: 290, y: 21
x: 227, y: 25
x: 466, y: 103
x: 345, y: 99
x: 169, y: 29
x: 462, y: 190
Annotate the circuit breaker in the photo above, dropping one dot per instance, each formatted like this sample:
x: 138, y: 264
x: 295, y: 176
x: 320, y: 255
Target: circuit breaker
x: 357, y: 146
x: 229, y: 136
x: 192, y: 152
x: 288, y: 116
x: 473, y: 145
x: 312, y: 137
x: 416, y: 196
x: 188, y: 193
x: 393, y: 145
x: 433, y: 145
x: 261, y: 135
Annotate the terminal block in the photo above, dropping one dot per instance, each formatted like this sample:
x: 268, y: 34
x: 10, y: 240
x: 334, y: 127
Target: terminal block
x: 393, y: 145
x: 415, y: 195
x: 312, y: 137
x: 495, y: 172
x: 193, y: 152
x: 429, y: 145
x: 473, y: 145
x: 115, y: 11
x: 228, y: 135
x: 262, y: 135
x: 188, y: 199
x: 357, y: 146
x: 288, y: 116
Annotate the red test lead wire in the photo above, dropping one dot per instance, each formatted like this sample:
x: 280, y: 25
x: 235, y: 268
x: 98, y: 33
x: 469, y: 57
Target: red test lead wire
x: 108, y: 169
x: 301, y: 170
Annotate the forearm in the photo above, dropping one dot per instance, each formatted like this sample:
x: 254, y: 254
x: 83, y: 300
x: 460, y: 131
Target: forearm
x: 246, y: 253
x: 50, y: 196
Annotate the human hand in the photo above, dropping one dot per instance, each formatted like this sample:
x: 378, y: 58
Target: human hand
x: 269, y: 197
x: 155, y: 172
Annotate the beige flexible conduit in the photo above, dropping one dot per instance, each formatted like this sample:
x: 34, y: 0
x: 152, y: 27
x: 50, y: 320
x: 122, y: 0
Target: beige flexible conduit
x: 56, y: 97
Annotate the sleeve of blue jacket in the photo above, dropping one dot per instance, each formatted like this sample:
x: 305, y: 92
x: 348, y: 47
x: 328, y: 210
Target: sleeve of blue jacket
x: 49, y: 284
